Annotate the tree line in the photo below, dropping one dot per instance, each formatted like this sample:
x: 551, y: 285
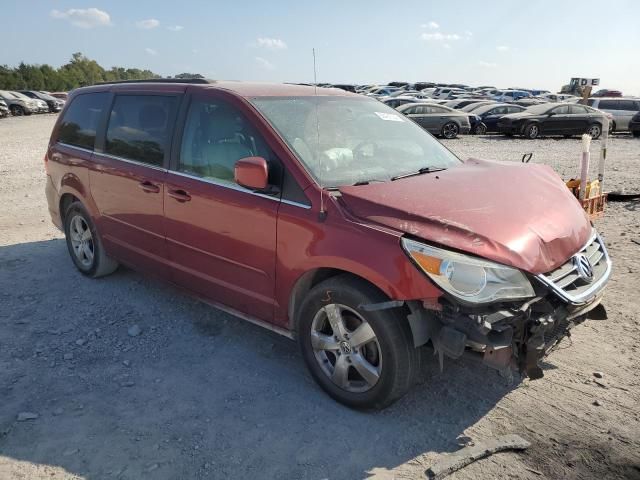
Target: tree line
x: 79, y: 72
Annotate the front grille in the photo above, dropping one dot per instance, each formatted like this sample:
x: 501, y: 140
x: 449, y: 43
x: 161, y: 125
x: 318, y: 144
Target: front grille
x: 567, y: 282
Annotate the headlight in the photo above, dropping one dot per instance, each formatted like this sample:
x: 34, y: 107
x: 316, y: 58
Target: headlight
x: 470, y: 279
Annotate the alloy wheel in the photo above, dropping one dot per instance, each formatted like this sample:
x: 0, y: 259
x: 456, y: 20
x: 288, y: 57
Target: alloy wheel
x: 533, y: 131
x: 346, y: 348
x: 450, y: 130
x: 81, y: 241
x: 594, y: 131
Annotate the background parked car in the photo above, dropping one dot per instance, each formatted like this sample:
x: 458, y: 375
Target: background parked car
x: 553, y: 119
x: 17, y: 105
x: 477, y: 104
x: 490, y: 114
x: 622, y: 110
x: 607, y: 93
x: 60, y: 95
x: 395, y: 102
x: 437, y: 119
x: 41, y: 105
x: 508, y: 96
x: 634, y: 125
x: 556, y: 97
x: 4, y: 109
x: 53, y: 104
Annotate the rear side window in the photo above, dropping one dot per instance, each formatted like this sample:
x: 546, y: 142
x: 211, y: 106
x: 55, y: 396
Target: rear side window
x: 80, y: 122
x: 578, y: 110
x: 139, y: 127
x: 609, y: 104
x: 627, y: 105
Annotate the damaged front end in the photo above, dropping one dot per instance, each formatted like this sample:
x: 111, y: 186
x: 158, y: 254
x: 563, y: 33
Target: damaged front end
x: 517, y: 334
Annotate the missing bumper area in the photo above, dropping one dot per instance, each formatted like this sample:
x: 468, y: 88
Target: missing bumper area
x: 512, y: 338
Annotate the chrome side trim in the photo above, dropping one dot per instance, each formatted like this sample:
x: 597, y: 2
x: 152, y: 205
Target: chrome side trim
x: 586, y: 296
x: 82, y: 149
x: 296, y: 204
x: 132, y: 162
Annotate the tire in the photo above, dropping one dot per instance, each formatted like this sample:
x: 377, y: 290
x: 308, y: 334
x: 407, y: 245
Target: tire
x: 612, y: 126
x: 636, y: 133
x: 17, y: 110
x: 84, y: 244
x: 532, y: 131
x: 450, y: 130
x: 594, y: 130
x: 387, y: 357
x: 480, y: 129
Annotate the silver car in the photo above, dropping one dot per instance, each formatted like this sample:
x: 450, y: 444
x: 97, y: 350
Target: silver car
x: 622, y: 109
x: 437, y: 119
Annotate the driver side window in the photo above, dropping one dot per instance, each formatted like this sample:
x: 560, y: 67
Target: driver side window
x: 217, y: 135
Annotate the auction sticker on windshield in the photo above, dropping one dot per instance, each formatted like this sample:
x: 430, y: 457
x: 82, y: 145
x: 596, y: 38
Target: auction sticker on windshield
x: 389, y: 116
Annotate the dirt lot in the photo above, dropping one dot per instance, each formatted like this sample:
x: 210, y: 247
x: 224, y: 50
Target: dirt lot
x: 200, y: 394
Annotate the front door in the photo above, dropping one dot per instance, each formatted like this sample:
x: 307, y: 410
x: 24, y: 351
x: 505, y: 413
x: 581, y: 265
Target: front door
x: 558, y: 122
x: 128, y: 176
x: 221, y: 237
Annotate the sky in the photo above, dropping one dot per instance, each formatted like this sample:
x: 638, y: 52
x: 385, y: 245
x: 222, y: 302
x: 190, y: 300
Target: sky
x: 529, y: 44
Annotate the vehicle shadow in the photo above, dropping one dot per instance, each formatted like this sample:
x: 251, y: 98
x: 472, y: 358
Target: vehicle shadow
x: 197, y: 394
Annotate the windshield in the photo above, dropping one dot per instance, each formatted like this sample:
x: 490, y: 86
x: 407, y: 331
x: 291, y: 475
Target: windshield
x: 345, y: 140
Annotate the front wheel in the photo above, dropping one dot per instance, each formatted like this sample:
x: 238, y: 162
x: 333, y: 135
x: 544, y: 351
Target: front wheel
x: 480, y: 129
x: 594, y: 130
x: 532, y: 131
x: 362, y: 359
x: 84, y: 245
x: 450, y: 130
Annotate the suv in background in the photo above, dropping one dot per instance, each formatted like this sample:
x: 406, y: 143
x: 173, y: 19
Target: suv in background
x: 4, y: 109
x: 19, y: 105
x: 510, y: 96
x: 328, y: 218
x: 622, y: 110
x: 54, y: 104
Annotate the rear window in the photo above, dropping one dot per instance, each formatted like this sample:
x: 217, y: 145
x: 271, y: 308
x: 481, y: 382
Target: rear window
x: 139, y: 127
x: 80, y: 122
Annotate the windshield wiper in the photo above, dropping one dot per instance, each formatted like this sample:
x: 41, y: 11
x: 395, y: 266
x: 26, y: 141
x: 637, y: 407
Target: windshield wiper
x: 419, y: 172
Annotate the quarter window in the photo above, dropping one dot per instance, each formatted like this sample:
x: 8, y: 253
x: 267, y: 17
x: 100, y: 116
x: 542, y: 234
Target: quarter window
x: 139, y: 127
x: 216, y: 135
x: 80, y: 122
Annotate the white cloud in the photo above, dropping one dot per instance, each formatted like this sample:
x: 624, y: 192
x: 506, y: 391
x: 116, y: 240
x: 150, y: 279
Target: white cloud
x: 84, y: 17
x: 431, y: 25
x: 148, y: 24
x: 502, y: 48
x: 484, y: 64
x: 467, y: 33
x: 271, y: 43
x: 175, y: 28
x: 151, y: 51
x: 264, y: 63
x: 440, y: 37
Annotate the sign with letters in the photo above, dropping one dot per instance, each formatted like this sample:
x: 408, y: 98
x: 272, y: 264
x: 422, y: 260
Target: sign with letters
x: 584, y: 82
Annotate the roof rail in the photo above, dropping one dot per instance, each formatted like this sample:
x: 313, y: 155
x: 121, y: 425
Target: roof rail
x: 161, y: 80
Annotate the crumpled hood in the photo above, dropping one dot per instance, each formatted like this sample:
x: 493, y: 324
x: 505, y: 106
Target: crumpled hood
x: 516, y: 214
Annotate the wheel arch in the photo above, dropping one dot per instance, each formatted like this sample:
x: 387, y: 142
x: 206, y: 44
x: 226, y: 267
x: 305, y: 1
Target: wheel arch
x: 313, y: 277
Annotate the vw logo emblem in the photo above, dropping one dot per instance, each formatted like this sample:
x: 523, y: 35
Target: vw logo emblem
x: 345, y: 347
x: 583, y: 267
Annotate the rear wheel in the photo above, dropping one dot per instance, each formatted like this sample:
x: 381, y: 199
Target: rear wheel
x: 594, y: 130
x: 84, y: 244
x: 450, y: 130
x: 532, y: 131
x: 636, y: 133
x: 361, y: 359
x: 17, y: 110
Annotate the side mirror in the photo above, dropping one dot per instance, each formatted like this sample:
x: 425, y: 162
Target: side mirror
x: 551, y: 114
x: 251, y: 173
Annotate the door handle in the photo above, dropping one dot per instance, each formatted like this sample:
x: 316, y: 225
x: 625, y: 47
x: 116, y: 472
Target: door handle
x: 180, y: 195
x: 149, y: 187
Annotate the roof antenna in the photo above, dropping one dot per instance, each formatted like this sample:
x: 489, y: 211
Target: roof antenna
x: 322, y: 215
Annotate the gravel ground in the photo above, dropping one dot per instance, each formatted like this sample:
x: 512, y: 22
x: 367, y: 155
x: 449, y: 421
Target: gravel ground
x: 191, y: 392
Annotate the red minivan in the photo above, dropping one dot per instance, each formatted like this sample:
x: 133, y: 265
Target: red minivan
x: 327, y: 217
